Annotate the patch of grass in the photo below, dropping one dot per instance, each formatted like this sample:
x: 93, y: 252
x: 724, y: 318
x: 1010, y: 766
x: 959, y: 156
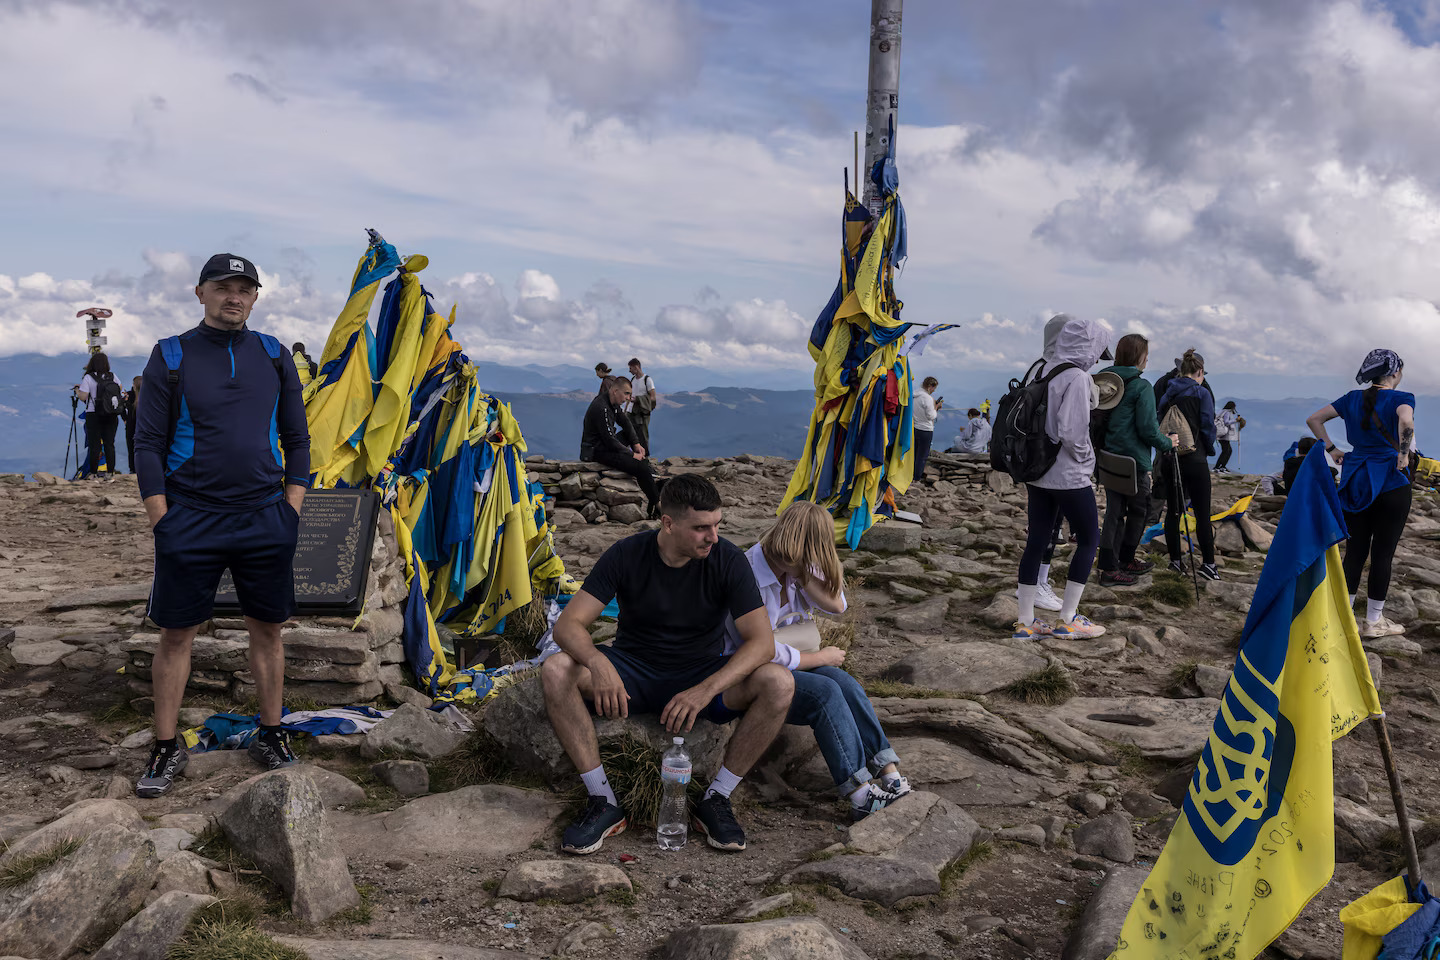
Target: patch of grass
x: 633, y: 768
x: 837, y: 631
x: 1051, y: 685
x: 522, y: 628
x: 1183, y: 676
x: 491, y: 885
x: 120, y: 712
x: 1133, y: 763
x: 820, y: 856
x: 622, y: 898
x: 876, y: 687
x: 953, y: 871
x: 22, y: 870
x: 797, y: 906
x: 363, y: 912
x: 251, y: 706
x: 230, y: 940
x: 1171, y: 589
x: 480, y: 759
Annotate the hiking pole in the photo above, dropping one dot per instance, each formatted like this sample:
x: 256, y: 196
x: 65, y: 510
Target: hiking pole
x: 1189, y: 544
x: 1397, y: 794
x: 71, y: 441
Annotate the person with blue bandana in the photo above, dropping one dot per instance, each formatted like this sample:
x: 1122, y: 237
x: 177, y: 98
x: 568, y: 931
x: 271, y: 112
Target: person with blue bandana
x: 223, y: 455
x: 1374, y: 478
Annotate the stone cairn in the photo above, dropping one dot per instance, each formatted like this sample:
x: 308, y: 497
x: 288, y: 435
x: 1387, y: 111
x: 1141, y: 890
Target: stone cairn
x: 577, y: 491
x: 330, y: 660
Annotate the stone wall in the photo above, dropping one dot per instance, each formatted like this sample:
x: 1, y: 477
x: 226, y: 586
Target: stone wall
x: 971, y: 471
x: 331, y: 660
x: 578, y: 491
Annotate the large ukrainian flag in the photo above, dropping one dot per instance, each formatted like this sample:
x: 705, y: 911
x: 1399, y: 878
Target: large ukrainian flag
x: 1256, y: 838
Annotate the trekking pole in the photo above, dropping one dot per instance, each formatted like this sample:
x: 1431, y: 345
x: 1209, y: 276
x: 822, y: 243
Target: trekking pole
x: 1189, y: 544
x: 71, y: 441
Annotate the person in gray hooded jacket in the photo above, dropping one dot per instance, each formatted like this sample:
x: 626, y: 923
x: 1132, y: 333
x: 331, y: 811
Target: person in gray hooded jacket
x: 1065, y: 490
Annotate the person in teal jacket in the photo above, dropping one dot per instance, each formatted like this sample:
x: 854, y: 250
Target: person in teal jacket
x: 1132, y: 432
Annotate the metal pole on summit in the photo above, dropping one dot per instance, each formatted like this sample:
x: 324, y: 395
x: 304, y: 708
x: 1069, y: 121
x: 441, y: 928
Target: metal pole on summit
x: 882, y: 101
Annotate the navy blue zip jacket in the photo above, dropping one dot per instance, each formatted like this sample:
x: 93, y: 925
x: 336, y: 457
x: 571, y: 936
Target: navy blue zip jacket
x: 1196, y: 403
x: 235, y: 414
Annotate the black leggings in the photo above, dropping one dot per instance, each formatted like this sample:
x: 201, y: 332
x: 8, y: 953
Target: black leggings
x: 1046, y: 507
x: 639, y: 469
x: 100, y: 435
x: 1375, y: 532
x: 1194, y: 482
x: 1224, y: 455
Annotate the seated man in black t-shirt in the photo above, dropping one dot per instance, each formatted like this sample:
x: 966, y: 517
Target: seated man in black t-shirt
x: 674, y: 587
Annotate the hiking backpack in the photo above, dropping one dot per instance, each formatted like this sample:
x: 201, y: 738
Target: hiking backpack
x: 1019, y: 445
x: 109, y: 398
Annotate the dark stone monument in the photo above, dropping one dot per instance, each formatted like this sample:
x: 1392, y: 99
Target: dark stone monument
x: 332, y: 557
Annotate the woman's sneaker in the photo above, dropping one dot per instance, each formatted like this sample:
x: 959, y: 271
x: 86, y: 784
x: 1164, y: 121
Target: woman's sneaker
x: 1046, y: 599
x: 1178, y: 566
x: 1375, y: 629
x: 878, y: 798
x: 1039, y: 628
x: 1078, y: 629
x: 1138, y: 567
x: 1209, y: 571
x: 896, y: 784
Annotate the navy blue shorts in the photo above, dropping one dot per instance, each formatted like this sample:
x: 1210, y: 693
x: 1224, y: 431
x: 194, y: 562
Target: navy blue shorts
x: 193, y: 548
x: 651, y: 689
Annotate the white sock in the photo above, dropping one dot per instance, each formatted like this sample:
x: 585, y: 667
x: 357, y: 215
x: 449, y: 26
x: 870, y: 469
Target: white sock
x: 1025, y: 601
x: 891, y: 780
x: 1071, y: 605
x: 1044, y: 575
x: 598, y: 785
x: 861, y: 797
x: 724, y: 782
x: 1374, y: 609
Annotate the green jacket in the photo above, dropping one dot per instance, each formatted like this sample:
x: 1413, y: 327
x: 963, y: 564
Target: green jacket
x: 1134, y: 428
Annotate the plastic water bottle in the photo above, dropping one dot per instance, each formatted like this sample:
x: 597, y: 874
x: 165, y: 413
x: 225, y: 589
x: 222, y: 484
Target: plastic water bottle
x: 674, y: 817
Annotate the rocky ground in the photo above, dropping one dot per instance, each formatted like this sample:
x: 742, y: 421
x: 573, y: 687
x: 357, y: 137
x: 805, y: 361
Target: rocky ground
x: 1026, y: 807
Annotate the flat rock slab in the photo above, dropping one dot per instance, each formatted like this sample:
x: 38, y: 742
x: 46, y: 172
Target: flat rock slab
x: 927, y: 616
x: 151, y: 932
x: 568, y: 881
x: 899, y: 851
x: 495, y: 819
x: 794, y: 938
x: 972, y: 667
x: 396, y: 950
x: 943, y: 768
x: 1161, y: 728
x: 112, y: 595
x: 967, y: 723
x: 76, y: 822
x: 40, y: 653
x: 1106, y: 645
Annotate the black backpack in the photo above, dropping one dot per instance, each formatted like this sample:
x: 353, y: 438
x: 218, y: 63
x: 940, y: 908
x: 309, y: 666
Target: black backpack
x: 109, y: 398
x: 1100, y: 419
x: 1019, y: 445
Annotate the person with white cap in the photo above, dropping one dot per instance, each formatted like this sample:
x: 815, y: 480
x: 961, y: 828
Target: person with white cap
x: 1064, y: 489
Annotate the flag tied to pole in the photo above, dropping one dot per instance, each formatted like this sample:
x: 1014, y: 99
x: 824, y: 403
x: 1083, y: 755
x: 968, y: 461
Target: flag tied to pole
x: 1256, y: 836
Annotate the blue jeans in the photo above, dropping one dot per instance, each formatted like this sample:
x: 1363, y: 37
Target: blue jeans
x: 834, y: 705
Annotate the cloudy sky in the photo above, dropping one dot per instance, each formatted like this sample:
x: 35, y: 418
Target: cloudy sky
x: 596, y: 178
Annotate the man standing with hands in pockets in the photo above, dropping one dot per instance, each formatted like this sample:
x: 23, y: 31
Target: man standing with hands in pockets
x: 223, y: 456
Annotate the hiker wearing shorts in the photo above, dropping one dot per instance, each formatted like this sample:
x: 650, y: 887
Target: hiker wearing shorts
x: 1374, y: 478
x: 223, y: 455
x: 1064, y: 490
x: 675, y: 588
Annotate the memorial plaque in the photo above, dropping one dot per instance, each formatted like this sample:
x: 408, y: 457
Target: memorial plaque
x: 332, y: 557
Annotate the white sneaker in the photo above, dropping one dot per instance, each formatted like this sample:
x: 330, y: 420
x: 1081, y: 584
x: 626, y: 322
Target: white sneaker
x: 1045, y: 598
x: 1375, y: 629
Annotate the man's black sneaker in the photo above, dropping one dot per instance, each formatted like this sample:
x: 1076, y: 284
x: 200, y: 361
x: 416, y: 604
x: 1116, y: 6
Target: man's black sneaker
x: 1209, y: 571
x: 714, y: 818
x: 272, y: 752
x: 1117, y: 578
x: 160, y: 774
x: 601, y: 819
x: 1177, y: 566
x: 1138, y: 567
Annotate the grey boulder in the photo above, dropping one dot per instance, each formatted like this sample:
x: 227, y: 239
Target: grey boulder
x: 1095, y: 936
x: 568, y: 881
x: 414, y: 731
x: 279, y: 823
x: 150, y: 932
x: 409, y: 778
x: 794, y: 938
x: 973, y: 667
x: 1108, y: 836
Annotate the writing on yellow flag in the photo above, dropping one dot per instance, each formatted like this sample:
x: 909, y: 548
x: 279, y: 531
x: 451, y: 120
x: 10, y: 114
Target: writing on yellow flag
x: 1256, y: 837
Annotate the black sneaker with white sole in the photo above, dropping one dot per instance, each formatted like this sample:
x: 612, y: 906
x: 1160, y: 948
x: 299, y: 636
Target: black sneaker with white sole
x: 160, y: 773
x: 601, y: 819
x: 716, y: 820
x: 272, y: 751
x: 1209, y: 571
x: 1177, y: 566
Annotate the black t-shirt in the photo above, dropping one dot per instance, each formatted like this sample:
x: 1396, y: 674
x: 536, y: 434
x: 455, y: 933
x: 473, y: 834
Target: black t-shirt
x: 672, y: 617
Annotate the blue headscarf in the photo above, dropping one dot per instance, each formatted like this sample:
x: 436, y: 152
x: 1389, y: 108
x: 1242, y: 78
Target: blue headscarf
x: 1378, y: 365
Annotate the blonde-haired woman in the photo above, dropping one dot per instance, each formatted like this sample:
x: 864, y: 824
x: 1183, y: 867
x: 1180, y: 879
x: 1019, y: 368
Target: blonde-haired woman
x: 798, y: 571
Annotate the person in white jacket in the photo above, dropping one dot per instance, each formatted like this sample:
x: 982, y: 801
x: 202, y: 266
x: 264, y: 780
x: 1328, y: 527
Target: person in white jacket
x: 1227, y: 431
x: 1064, y: 490
x: 974, y: 437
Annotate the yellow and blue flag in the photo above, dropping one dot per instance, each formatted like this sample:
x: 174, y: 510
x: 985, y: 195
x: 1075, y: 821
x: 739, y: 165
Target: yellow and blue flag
x: 1256, y: 836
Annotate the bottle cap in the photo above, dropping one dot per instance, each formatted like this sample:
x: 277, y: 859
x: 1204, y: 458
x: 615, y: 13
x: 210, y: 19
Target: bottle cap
x: 678, y: 741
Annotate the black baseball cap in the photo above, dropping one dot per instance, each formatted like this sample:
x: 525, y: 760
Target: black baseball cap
x: 223, y: 266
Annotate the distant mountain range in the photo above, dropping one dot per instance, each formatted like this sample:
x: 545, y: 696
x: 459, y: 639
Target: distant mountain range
x: 722, y: 419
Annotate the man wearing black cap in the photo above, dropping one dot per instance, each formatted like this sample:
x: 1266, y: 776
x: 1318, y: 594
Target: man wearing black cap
x: 223, y: 454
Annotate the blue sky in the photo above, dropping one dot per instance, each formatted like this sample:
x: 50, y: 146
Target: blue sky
x: 659, y: 177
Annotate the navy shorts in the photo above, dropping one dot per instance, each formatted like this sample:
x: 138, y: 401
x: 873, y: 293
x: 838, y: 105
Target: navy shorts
x: 193, y: 548
x: 651, y: 689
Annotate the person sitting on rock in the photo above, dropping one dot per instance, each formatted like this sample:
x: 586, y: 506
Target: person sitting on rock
x: 675, y: 588
x: 599, y: 442
x: 798, y: 571
x: 974, y: 437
